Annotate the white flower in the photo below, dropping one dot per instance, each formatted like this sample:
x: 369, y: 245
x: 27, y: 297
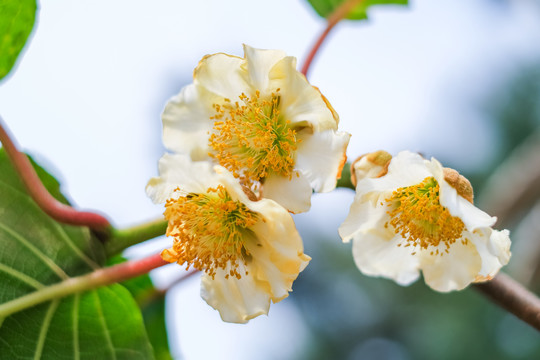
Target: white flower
x: 250, y: 251
x: 411, y: 218
x: 259, y: 117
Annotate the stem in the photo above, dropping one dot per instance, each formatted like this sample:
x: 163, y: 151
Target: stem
x: 101, y: 277
x: 52, y: 207
x: 332, y: 20
x: 122, y: 239
x: 513, y: 297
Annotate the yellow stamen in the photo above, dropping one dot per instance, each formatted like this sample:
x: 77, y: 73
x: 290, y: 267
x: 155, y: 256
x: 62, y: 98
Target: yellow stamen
x: 209, y: 231
x: 251, y: 138
x: 418, y: 216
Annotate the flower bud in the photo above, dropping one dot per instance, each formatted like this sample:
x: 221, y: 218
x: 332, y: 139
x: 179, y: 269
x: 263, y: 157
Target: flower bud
x: 371, y: 165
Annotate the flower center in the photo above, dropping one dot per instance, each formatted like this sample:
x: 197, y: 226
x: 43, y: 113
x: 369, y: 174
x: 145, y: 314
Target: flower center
x: 418, y: 216
x: 209, y: 230
x: 251, y: 138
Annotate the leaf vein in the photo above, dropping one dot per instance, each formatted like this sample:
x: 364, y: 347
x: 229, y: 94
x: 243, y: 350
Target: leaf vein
x: 103, y: 322
x: 22, y: 277
x: 45, y: 328
x: 48, y: 261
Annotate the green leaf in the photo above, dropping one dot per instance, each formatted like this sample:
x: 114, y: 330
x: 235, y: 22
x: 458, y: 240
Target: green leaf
x: 37, y: 252
x: 17, y: 19
x: 326, y: 7
x: 152, y: 304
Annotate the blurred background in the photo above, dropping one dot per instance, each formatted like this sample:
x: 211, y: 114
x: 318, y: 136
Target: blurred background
x: 454, y: 79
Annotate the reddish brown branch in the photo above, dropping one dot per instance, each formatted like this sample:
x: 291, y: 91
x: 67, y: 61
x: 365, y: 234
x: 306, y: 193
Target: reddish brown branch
x: 98, y: 278
x: 513, y: 297
x: 52, y: 207
x: 332, y: 20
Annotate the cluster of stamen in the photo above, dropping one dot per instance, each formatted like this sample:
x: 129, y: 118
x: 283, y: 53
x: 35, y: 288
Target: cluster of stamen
x: 251, y: 138
x: 209, y: 231
x: 418, y: 216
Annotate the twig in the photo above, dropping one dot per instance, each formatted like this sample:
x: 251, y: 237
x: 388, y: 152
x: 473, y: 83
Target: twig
x: 124, y: 238
x: 332, y: 20
x: 52, y: 207
x: 101, y: 277
x: 513, y: 297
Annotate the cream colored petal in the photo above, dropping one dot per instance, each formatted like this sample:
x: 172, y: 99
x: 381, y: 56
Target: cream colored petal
x: 186, y: 122
x: 499, y: 245
x: 321, y: 156
x: 177, y: 171
x: 494, y: 249
x: 405, y: 169
x: 377, y: 253
x: 276, y: 249
x: 301, y: 103
x: 363, y: 216
x: 222, y: 75
x: 237, y: 300
x: 472, y: 217
x: 294, y: 194
x: 451, y: 271
x: 259, y: 62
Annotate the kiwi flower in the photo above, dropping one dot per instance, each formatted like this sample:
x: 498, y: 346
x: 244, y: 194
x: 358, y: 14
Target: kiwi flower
x: 412, y: 214
x: 259, y: 118
x: 250, y: 251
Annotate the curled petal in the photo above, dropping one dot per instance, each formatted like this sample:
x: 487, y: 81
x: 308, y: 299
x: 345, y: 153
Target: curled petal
x: 294, y: 194
x: 258, y: 63
x: 376, y: 256
x: 222, y: 74
x: 186, y: 122
x: 453, y: 270
x: 322, y: 156
x: 237, y: 300
x: 177, y: 171
x: 302, y: 103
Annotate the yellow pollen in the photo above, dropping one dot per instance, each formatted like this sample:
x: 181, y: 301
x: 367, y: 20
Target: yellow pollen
x: 209, y: 231
x: 418, y: 216
x: 251, y: 138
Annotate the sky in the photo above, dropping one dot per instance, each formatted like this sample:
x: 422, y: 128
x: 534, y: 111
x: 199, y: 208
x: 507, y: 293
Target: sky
x: 86, y: 97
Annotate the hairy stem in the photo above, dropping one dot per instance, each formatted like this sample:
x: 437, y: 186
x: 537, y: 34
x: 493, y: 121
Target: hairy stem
x: 124, y: 238
x: 332, y: 20
x: 513, y: 297
x: 98, y: 278
x: 52, y: 207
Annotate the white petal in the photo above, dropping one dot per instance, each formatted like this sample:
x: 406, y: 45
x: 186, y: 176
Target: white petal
x: 494, y: 249
x: 363, y: 216
x: 259, y: 63
x: 222, y: 75
x: 377, y: 254
x: 472, y: 217
x: 499, y: 245
x: 301, y: 103
x: 321, y: 156
x: 177, y: 171
x: 186, y: 122
x: 237, y: 300
x: 451, y: 271
x: 276, y: 249
x: 293, y: 194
